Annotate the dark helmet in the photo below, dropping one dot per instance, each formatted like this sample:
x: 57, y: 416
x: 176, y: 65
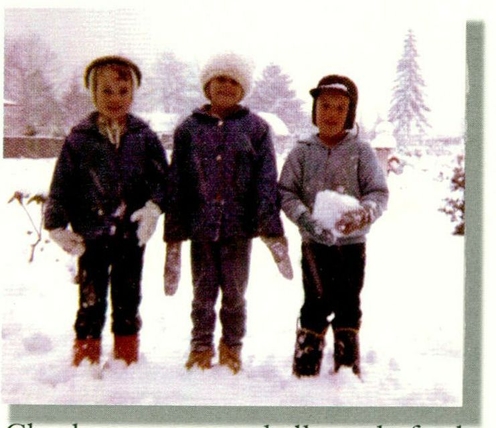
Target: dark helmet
x: 342, y: 84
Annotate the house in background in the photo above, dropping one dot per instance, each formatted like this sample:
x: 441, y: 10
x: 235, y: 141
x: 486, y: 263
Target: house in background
x: 384, y: 144
x: 163, y: 124
x: 283, y: 140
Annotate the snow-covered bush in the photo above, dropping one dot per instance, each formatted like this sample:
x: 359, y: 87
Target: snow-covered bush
x: 455, y: 202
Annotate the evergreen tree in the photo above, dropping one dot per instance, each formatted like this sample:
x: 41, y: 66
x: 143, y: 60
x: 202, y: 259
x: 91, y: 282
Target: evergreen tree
x: 273, y: 94
x: 172, y: 86
x: 407, y: 111
x: 76, y: 103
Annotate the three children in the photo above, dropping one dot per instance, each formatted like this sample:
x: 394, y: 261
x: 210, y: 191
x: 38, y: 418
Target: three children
x: 112, y: 182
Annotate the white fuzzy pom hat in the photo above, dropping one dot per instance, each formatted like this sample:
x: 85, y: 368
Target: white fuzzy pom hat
x: 228, y: 64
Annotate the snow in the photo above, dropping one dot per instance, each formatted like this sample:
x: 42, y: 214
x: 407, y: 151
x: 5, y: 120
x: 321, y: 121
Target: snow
x: 411, y: 338
x: 330, y: 206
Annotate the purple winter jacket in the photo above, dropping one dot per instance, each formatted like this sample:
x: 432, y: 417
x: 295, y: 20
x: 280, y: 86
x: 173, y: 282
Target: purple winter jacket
x: 96, y: 187
x: 223, y: 179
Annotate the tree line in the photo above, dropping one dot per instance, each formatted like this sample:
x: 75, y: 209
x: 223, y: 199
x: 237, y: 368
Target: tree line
x: 45, y: 107
x: 170, y: 86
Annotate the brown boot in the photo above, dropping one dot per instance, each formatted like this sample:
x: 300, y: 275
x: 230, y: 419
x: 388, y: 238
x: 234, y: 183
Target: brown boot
x: 230, y: 356
x: 126, y: 348
x: 201, y: 359
x: 87, y: 348
x: 347, y: 349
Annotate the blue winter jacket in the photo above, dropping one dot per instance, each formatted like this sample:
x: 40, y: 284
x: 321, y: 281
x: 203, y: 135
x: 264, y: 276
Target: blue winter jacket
x: 223, y: 179
x: 96, y: 187
x: 351, y: 167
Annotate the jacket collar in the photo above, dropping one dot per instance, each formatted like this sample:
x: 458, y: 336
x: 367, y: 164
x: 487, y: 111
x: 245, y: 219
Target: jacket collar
x: 204, y: 113
x: 90, y: 123
x: 315, y: 140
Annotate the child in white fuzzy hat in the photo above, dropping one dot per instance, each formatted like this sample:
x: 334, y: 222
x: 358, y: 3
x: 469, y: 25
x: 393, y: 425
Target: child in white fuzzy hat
x: 223, y: 193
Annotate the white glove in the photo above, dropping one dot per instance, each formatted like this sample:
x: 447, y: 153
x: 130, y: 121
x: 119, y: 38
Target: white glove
x: 147, y: 218
x: 172, y: 268
x: 278, y: 247
x: 68, y: 240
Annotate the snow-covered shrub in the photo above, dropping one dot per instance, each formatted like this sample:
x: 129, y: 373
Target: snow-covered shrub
x: 455, y: 202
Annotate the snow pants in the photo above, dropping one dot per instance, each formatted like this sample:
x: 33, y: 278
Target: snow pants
x: 117, y: 262
x: 219, y: 266
x: 332, y: 280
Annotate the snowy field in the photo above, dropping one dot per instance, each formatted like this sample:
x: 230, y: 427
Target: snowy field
x: 411, y: 339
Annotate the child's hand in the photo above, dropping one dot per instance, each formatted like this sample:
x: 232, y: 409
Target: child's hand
x: 69, y: 241
x: 318, y: 233
x: 354, y: 220
x: 147, y: 218
x: 278, y: 247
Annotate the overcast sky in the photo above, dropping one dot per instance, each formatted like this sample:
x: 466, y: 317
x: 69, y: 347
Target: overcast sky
x: 361, y: 39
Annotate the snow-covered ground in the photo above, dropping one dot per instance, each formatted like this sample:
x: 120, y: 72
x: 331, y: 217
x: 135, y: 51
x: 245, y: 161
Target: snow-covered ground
x: 411, y: 339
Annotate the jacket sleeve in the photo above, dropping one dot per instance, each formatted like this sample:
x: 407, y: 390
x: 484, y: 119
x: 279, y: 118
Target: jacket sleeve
x: 156, y: 174
x: 290, y: 185
x: 177, y: 217
x: 269, y: 222
x: 62, y: 188
x: 372, y: 181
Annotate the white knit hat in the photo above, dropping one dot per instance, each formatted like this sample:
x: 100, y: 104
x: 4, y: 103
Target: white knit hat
x: 231, y: 65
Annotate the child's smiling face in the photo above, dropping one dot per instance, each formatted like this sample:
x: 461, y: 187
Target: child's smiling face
x: 113, y: 94
x: 331, y: 112
x: 224, y: 92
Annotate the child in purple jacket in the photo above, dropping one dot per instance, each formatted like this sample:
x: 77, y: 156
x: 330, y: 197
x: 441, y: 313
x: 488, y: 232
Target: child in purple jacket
x: 106, y: 195
x: 223, y: 193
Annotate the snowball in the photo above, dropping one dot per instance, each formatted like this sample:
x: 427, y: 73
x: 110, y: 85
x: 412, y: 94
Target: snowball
x: 329, y: 206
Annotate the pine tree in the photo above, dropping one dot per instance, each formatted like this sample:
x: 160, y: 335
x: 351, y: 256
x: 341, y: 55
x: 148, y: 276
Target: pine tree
x: 273, y: 94
x: 172, y: 86
x: 407, y: 111
x: 76, y: 102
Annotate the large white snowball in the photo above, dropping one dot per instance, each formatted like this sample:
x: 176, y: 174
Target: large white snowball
x: 329, y: 206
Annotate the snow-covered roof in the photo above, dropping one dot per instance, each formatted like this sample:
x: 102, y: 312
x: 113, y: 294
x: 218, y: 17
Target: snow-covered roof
x: 383, y: 141
x: 384, y: 136
x: 278, y: 126
x: 160, y: 122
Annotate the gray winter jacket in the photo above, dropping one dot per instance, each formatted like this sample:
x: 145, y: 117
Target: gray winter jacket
x: 350, y: 167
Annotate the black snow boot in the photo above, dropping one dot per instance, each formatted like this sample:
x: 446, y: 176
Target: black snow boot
x: 308, y: 352
x: 346, y: 349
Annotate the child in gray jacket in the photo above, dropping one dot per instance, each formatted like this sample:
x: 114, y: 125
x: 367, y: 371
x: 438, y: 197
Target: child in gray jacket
x: 333, y: 161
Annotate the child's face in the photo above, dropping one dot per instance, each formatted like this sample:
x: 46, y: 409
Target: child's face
x: 224, y: 92
x: 113, y: 94
x: 331, y: 111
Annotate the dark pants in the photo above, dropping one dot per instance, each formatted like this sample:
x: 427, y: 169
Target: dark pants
x: 332, y: 279
x: 219, y: 266
x: 118, y: 262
